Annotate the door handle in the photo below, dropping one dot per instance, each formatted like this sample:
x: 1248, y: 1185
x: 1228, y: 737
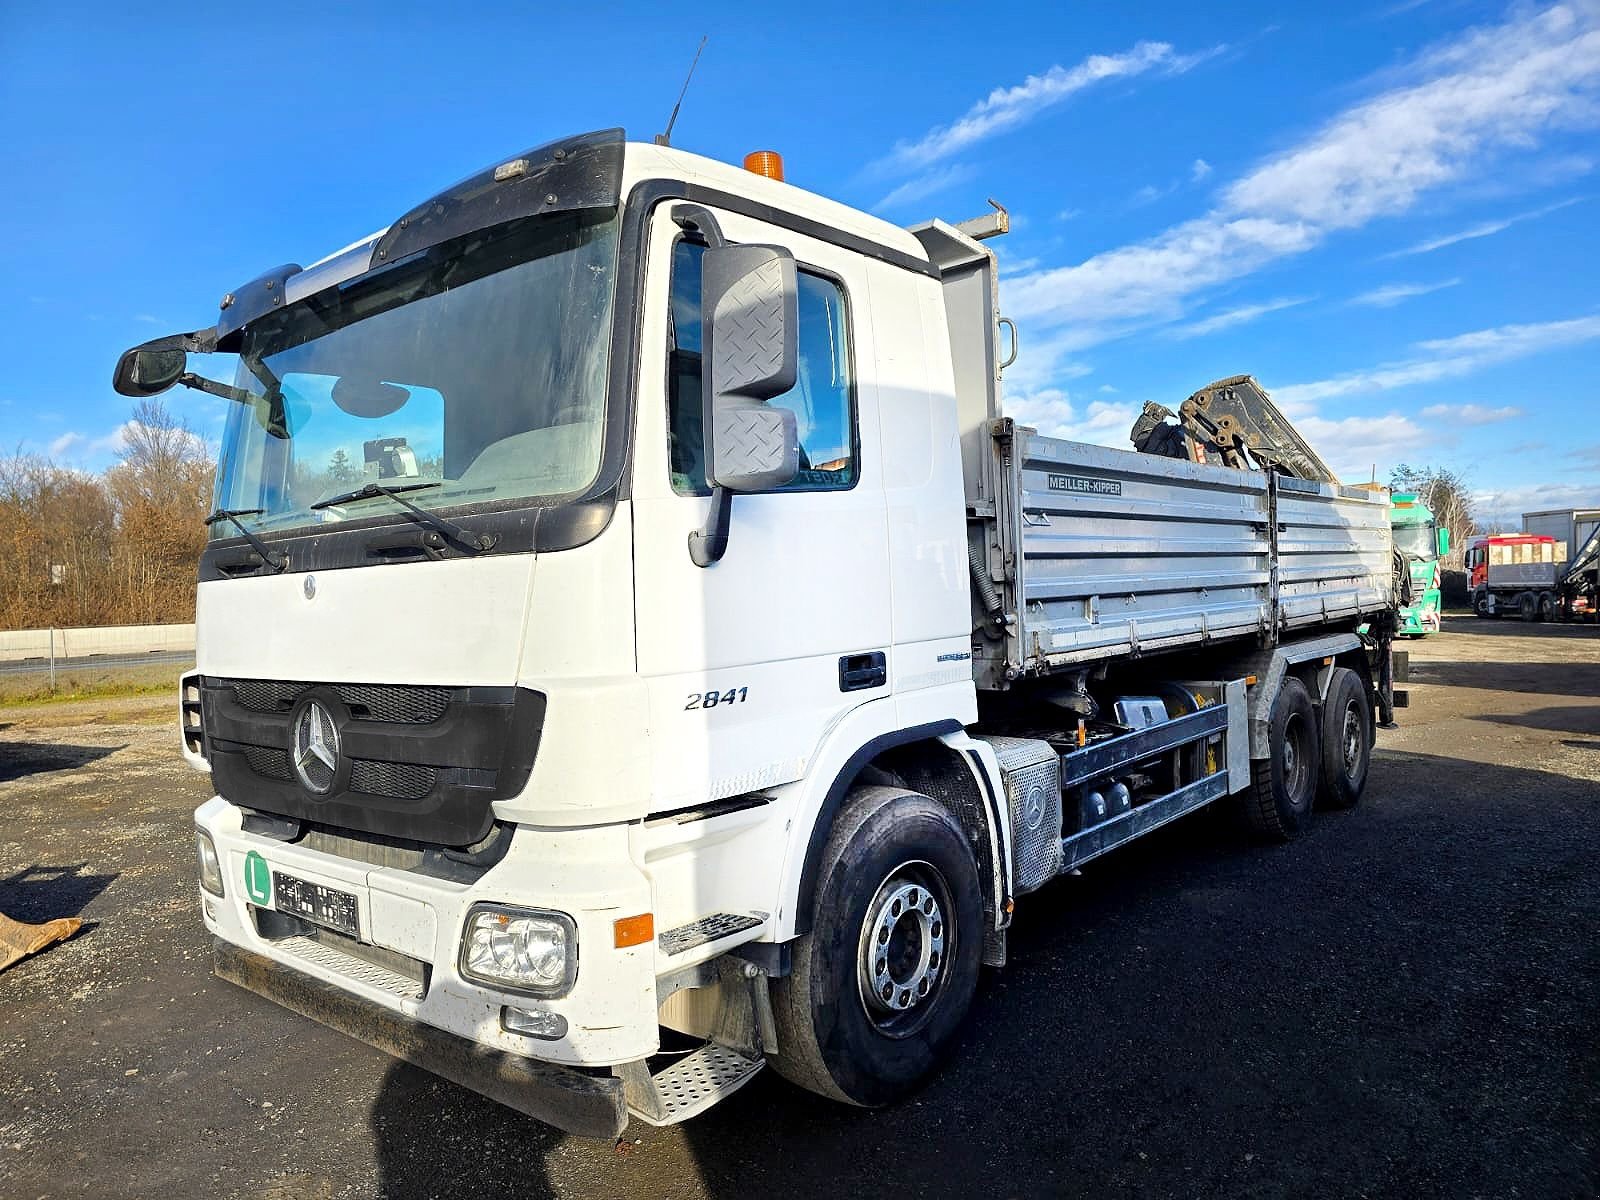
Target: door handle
x: 859, y: 671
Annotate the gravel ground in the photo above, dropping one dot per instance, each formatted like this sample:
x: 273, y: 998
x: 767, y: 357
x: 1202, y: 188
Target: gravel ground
x: 1405, y: 1002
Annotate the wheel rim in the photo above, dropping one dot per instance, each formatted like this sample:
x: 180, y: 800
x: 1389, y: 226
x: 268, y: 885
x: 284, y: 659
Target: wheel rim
x: 907, y: 937
x: 1295, y: 767
x: 1352, y: 738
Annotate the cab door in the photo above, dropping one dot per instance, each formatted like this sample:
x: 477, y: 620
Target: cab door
x: 751, y: 660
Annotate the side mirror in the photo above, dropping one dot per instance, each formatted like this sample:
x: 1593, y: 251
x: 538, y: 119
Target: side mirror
x: 750, y: 308
x: 148, y: 370
x: 1444, y: 541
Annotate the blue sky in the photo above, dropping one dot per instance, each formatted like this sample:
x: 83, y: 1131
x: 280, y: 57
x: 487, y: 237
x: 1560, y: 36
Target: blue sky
x: 1389, y: 212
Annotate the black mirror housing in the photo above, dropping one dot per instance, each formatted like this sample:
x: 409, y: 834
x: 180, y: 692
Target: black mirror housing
x: 148, y: 371
x: 750, y: 312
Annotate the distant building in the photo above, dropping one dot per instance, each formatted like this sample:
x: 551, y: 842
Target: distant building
x: 1571, y: 526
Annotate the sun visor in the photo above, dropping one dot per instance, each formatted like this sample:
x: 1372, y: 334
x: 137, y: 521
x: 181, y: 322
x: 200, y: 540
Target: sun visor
x: 573, y: 173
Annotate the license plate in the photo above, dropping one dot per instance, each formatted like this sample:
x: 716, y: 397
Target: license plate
x: 315, y: 902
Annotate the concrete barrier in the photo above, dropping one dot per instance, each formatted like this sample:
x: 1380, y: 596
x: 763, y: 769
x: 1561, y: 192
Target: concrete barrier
x: 19, y: 644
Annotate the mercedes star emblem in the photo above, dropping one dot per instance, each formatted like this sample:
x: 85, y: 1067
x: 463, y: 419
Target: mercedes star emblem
x: 309, y: 587
x: 316, y: 748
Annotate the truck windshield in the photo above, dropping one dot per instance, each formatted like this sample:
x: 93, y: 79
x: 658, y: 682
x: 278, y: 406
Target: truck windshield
x: 1416, y: 541
x: 480, y: 369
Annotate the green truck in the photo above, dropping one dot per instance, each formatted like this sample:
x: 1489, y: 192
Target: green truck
x: 1423, y: 541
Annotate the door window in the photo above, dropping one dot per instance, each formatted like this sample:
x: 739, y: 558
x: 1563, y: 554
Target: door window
x: 822, y: 399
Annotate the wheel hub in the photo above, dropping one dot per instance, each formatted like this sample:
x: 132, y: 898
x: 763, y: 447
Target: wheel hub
x: 902, y: 947
x: 1351, y: 742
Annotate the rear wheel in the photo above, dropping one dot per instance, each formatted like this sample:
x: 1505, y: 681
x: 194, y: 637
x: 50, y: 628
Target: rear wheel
x: 1547, y: 607
x: 878, y: 989
x: 1346, y: 740
x: 1277, y: 805
x: 1527, y: 606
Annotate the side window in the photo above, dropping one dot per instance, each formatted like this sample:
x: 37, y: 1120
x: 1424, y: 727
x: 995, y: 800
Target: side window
x: 822, y: 399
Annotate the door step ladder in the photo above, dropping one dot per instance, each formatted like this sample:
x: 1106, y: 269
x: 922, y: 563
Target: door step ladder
x: 690, y: 1085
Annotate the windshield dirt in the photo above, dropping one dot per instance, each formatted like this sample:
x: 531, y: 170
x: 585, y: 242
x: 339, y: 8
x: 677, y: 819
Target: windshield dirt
x: 481, y: 371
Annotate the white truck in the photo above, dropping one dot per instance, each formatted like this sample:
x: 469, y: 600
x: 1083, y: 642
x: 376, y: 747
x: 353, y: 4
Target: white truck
x: 628, y: 616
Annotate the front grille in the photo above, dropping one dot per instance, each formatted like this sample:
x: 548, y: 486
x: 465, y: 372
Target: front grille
x: 400, y: 781
x: 402, y: 704
x: 267, y: 762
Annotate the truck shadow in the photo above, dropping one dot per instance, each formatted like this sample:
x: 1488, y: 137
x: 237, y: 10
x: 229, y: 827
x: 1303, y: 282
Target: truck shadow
x: 42, y: 893
x: 1572, y: 718
x: 1549, y: 679
x: 1193, y: 1015
x: 20, y: 759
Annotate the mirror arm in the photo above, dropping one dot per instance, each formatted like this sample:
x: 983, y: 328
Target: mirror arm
x: 692, y: 218
x: 228, y: 392
x: 708, y: 545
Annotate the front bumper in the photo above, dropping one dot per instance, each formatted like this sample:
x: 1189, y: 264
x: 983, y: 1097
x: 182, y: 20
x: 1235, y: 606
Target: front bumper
x: 589, y: 874
x: 571, y: 1100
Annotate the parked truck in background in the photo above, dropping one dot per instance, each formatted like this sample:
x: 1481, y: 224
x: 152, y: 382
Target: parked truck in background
x: 1516, y: 575
x: 1423, y: 542
x: 698, y: 647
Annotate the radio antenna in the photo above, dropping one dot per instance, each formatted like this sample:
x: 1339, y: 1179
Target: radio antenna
x: 665, y: 138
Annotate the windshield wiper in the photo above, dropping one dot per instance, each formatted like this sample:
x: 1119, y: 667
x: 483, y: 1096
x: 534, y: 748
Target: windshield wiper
x: 473, y: 542
x: 274, y: 560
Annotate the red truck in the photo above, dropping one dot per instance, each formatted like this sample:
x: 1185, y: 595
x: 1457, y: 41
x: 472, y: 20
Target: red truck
x: 1521, y: 574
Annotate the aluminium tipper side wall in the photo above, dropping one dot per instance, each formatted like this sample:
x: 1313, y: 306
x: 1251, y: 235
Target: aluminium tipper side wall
x: 1112, y: 554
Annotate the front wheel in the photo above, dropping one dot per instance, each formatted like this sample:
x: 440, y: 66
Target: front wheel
x: 878, y: 989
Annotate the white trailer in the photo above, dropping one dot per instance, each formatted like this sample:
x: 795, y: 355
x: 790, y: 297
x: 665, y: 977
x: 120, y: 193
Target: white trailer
x: 1570, y: 526
x: 629, y: 611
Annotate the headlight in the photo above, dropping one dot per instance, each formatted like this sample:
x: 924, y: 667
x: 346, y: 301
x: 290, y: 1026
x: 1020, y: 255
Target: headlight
x: 210, y: 867
x: 520, y: 949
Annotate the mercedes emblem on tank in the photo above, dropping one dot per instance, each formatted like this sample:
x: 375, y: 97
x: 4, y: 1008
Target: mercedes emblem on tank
x: 309, y: 587
x: 316, y: 748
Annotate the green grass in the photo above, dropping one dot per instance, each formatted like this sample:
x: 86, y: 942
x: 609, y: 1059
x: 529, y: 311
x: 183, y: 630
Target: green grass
x: 111, y: 683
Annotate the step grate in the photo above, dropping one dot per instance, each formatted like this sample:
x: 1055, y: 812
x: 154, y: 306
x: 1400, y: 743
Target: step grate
x: 352, y: 967
x: 707, y: 929
x: 697, y: 1081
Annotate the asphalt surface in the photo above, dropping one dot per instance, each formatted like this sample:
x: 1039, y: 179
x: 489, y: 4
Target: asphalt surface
x: 1406, y: 1002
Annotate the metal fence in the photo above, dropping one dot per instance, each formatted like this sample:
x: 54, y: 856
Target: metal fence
x: 52, y: 665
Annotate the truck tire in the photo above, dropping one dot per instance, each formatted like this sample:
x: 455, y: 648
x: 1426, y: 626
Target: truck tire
x: 1277, y: 805
x: 1527, y: 606
x: 1480, y: 605
x: 1346, y: 740
x: 1547, y: 607
x: 878, y: 989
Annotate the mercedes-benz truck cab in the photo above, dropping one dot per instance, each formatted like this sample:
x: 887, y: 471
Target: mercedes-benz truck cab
x: 586, y: 640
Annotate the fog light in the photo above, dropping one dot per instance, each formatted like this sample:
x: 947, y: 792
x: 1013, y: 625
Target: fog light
x: 520, y: 949
x: 534, y: 1022
x: 210, y: 868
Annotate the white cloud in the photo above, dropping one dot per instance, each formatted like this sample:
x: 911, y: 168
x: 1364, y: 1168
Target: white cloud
x: 1354, y: 446
x: 1450, y: 358
x: 1010, y: 266
x: 1502, y: 508
x: 147, y: 319
x: 1008, y: 107
x: 1107, y: 389
x: 1052, y: 412
x: 1236, y: 316
x: 1471, y: 414
x: 1147, y: 194
x: 1067, y: 214
x: 1486, y: 229
x: 64, y: 444
x: 928, y: 184
x: 1199, y: 170
x: 1488, y: 91
x: 1391, y: 294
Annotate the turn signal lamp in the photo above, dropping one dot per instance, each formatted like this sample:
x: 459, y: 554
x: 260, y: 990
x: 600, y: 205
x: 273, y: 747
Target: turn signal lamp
x: 765, y: 162
x: 634, y: 931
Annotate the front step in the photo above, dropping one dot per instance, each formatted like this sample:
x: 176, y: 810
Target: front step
x: 689, y: 1086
